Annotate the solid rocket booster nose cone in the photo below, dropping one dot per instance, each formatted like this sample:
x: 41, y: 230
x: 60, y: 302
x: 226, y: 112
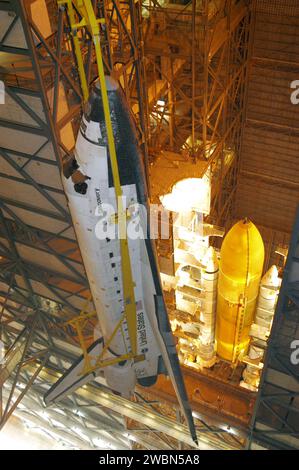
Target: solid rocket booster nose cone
x: 210, y: 260
x: 241, y: 264
x: 271, y: 277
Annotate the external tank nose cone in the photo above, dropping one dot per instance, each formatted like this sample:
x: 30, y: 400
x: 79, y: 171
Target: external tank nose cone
x: 241, y: 265
x: 242, y: 251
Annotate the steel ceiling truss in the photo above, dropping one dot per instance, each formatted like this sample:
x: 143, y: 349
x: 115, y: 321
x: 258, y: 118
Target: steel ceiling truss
x: 18, y: 356
x: 74, y: 423
x: 28, y: 117
x: 39, y: 254
x: 42, y: 279
x: 275, y: 421
x: 142, y: 422
x: 196, y: 87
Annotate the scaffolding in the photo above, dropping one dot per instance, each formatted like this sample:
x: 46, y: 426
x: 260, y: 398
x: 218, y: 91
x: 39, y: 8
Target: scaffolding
x: 188, y: 105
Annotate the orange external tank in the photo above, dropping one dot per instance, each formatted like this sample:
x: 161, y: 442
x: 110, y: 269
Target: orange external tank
x: 240, y: 269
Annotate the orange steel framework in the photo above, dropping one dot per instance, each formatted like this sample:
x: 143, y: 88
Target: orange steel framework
x: 184, y: 71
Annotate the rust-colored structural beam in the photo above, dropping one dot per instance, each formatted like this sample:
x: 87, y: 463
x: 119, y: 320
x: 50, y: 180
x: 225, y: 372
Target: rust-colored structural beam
x: 212, y: 398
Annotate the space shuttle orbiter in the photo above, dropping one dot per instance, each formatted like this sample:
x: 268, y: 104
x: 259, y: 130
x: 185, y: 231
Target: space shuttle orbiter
x: 88, y: 184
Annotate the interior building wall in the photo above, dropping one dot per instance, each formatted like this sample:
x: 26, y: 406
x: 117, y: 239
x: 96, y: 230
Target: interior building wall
x: 268, y: 182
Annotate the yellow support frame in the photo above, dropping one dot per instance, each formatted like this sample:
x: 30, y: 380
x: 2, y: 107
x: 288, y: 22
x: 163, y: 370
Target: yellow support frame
x: 79, y: 323
x: 92, y: 23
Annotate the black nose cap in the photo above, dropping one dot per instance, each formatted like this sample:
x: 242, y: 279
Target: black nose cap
x: 147, y: 381
x: 111, y: 84
x: 94, y: 110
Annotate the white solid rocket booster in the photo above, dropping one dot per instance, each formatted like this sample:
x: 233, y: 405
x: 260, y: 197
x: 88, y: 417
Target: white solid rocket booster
x: 267, y: 298
x: 209, y: 304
